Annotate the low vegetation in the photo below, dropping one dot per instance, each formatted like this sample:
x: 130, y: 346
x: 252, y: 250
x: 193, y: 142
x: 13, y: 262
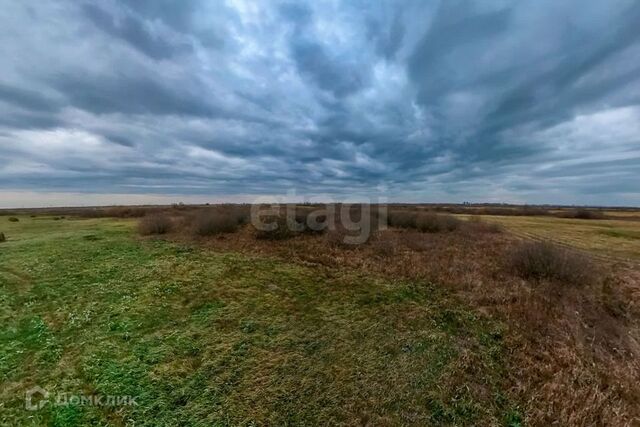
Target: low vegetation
x: 276, y: 227
x: 204, y: 337
x: 546, y: 261
x: 582, y: 214
x: 435, y: 223
x: 525, y: 210
x: 617, y: 239
x: 2, y: 237
x: 13, y: 219
x: 267, y: 325
x: 477, y: 224
x: 155, y: 224
x: 209, y: 223
x: 426, y: 222
x: 402, y: 219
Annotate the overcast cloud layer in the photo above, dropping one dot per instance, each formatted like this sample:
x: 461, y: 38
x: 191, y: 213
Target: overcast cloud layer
x: 530, y: 101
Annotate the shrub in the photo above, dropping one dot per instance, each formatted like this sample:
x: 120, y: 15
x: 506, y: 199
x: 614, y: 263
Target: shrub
x: 287, y: 228
x: 211, y: 223
x: 339, y: 236
x: 532, y: 211
x: 302, y: 223
x: 546, y: 261
x: 402, y: 219
x: 124, y: 212
x: 115, y: 212
x: 363, y: 215
x: 282, y: 229
x: 584, y: 214
x: 2, y: 238
x: 276, y: 228
x: 242, y: 214
x: 476, y: 223
x: 13, y: 219
x: 154, y: 224
x: 434, y: 223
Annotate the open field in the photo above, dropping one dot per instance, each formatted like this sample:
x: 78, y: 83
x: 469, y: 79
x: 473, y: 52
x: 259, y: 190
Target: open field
x: 226, y: 339
x: 609, y: 238
x: 425, y: 323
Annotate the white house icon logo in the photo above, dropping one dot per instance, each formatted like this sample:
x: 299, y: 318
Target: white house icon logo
x: 32, y: 395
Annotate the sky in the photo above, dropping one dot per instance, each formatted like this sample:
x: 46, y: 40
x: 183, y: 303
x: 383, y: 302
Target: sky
x: 159, y: 101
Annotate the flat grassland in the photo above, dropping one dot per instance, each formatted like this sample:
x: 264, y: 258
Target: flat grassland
x: 611, y: 238
x: 204, y: 337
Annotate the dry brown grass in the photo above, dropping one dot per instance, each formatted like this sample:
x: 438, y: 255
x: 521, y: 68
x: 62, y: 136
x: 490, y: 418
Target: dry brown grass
x: 276, y: 228
x: 209, y: 223
x: 155, y: 224
x: 546, y: 261
x: 612, y: 239
x: 434, y: 222
x: 582, y: 214
x: 126, y: 212
x: 430, y: 222
x: 110, y: 211
x: 478, y: 225
x: 402, y: 219
x: 198, y: 221
x: 526, y: 210
x: 427, y: 222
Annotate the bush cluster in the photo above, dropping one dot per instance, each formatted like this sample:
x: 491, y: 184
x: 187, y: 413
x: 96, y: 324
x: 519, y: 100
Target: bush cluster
x: 430, y: 222
x: 426, y: 222
x: 583, y: 214
x: 477, y: 224
x: 212, y: 223
x: 155, y: 224
x: 546, y: 261
x: 402, y: 219
x: 278, y: 228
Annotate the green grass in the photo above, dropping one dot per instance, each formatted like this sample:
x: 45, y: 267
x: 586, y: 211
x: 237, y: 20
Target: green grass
x: 206, y: 338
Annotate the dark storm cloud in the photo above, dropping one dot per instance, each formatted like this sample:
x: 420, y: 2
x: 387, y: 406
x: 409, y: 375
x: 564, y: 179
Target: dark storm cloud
x: 27, y: 99
x: 387, y: 38
x: 542, y: 91
x: 332, y: 74
x: 129, y: 95
x: 177, y: 14
x: 327, y: 73
x: 134, y: 31
x: 532, y: 101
